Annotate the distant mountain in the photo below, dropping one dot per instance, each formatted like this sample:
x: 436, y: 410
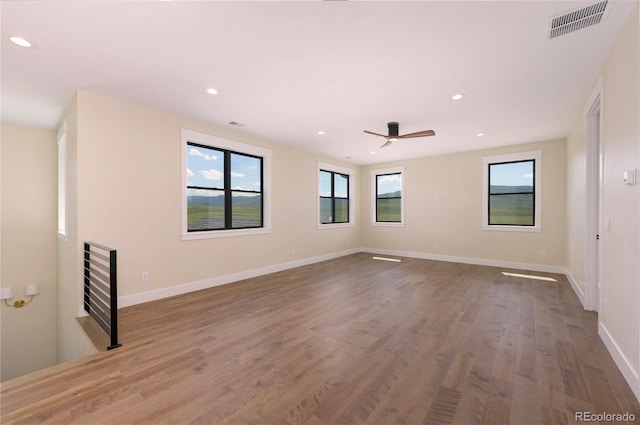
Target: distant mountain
x: 218, y: 201
x: 510, y: 189
x: 396, y: 194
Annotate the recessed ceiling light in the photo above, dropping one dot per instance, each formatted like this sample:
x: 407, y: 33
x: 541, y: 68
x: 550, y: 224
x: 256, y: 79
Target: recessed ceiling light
x: 212, y: 91
x: 457, y: 96
x: 20, y: 41
x: 373, y: 152
x: 321, y: 132
x: 480, y: 134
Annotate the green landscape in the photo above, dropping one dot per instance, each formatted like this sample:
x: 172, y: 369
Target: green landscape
x: 511, y: 205
x: 207, y: 212
x: 342, y: 209
x: 388, y: 207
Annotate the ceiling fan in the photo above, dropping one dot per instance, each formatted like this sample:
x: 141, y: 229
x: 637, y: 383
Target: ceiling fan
x: 394, y: 136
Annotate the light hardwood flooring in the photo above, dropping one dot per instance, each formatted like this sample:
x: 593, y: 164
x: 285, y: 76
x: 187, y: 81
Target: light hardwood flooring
x: 347, y: 341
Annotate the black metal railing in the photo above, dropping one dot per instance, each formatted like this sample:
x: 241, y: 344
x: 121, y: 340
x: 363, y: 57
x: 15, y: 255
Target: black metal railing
x: 101, y: 288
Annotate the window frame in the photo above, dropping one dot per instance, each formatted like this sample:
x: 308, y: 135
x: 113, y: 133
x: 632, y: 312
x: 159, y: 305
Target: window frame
x: 62, y: 181
x: 229, y: 147
x: 350, y: 173
x: 487, y: 161
x: 374, y: 196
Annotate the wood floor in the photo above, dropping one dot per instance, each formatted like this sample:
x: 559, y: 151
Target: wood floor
x: 347, y: 341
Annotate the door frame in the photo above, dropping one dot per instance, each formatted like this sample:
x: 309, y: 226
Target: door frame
x: 593, y: 114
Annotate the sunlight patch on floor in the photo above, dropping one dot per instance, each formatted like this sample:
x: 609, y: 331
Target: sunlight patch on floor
x: 395, y: 260
x: 530, y: 276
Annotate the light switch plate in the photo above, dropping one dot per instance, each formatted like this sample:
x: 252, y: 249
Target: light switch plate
x: 629, y: 177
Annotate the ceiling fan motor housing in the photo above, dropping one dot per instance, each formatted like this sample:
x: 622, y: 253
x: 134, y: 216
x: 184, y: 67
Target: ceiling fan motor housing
x: 393, y: 128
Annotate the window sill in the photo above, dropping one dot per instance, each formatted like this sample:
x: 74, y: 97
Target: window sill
x: 335, y: 225
x: 526, y: 229
x: 383, y: 224
x: 214, y: 234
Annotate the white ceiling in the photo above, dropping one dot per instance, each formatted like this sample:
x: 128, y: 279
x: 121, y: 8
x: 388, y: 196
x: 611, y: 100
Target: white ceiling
x: 289, y: 69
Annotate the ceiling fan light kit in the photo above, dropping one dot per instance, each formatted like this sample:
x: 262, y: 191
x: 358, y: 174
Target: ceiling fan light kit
x: 394, y: 136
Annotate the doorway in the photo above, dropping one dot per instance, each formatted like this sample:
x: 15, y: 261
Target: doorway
x: 593, y: 119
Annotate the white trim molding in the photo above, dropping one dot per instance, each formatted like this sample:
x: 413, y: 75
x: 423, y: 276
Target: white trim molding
x: 513, y: 157
x: 629, y: 373
x: 143, y: 297
x: 469, y: 260
x: 575, y: 286
x: 593, y: 118
x: 323, y: 166
x: 186, y: 136
x: 374, y: 196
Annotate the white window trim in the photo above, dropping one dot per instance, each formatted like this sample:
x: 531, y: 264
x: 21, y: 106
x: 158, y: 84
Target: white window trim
x: 519, y: 156
x: 219, y: 142
x: 374, y: 174
x: 62, y: 182
x: 342, y: 170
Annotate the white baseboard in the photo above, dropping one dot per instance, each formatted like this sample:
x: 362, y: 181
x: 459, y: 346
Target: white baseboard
x: 574, y: 284
x: 625, y: 366
x: 143, y: 297
x: 470, y: 260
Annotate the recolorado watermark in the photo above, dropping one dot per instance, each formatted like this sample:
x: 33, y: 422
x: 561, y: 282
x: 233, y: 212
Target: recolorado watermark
x: 604, y: 417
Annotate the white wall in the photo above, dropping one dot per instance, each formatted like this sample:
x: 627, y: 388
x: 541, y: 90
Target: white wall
x: 29, y: 204
x: 443, y: 212
x: 619, y: 314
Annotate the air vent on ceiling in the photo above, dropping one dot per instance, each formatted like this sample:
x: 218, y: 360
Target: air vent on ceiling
x: 578, y: 19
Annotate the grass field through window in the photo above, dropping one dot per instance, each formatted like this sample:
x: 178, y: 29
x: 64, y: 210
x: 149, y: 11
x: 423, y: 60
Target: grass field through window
x: 511, y: 209
x: 388, y: 210
x: 205, y: 217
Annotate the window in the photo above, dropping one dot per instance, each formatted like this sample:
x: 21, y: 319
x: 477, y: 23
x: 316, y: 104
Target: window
x: 387, y: 196
x: 335, y: 186
x: 62, y: 182
x: 512, y: 191
x: 224, y: 187
x: 334, y: 197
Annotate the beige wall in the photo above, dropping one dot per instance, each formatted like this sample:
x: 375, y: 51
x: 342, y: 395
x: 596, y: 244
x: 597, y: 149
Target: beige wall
x: 443, y: 211
x: 620, y: 279
x: 72, y: 341
x: 619, y: 312
x: 124, y: 191
x: 28, y: 242
x: 129, y: 198
x: 576, y: 203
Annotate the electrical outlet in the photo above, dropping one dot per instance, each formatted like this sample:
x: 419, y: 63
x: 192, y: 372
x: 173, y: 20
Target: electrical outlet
x: 543, y: 254
x: 604, y: 305
x: 144, y: 277
x: 435, y: 245
x: 293, y: 251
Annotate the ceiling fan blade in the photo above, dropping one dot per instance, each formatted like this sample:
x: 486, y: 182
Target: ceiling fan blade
x: 375, y: 134
x: 418, y: 134
x: 386, y: 144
